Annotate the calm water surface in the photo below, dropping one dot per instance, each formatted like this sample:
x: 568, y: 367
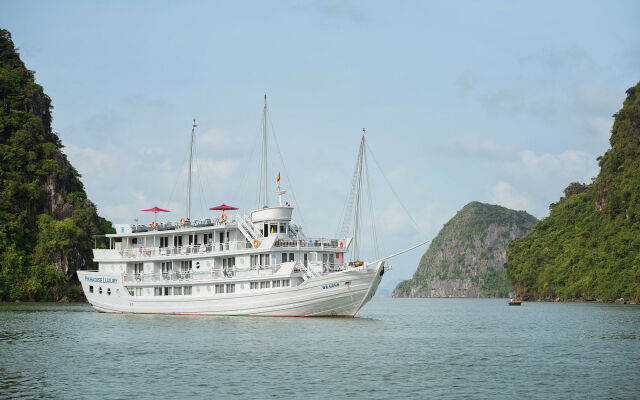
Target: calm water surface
x: 400, y: 348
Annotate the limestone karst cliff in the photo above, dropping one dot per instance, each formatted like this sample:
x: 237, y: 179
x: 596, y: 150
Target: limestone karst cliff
x: 46, y: 220
x: 466, y: 259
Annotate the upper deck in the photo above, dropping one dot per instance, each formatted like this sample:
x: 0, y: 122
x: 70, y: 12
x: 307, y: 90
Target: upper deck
x: 269, y: 229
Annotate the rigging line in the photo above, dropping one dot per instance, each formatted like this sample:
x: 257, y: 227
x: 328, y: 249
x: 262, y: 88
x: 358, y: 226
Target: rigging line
x: 203, y: 198
x: 344, y: 223
x: 258, y: 183
x: 374, y: 233
x: 245, y: 174
x: 396, y: 194
x: 284, y: 168
x: 175, y: 184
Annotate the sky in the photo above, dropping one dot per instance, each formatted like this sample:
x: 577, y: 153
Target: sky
x: 501, y: 102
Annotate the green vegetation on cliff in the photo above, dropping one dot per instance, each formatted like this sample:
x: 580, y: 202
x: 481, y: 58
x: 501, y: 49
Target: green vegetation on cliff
x: 589, y: 246
x: 46, y: 220
x: 466, y: 258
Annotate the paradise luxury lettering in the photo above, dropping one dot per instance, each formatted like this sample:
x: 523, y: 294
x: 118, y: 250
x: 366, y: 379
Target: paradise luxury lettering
x: 100, y: 279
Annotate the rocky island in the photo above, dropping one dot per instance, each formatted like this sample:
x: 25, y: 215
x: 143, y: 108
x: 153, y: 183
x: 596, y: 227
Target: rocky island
x: 589, y: 246
x: 467, y: 257
x: 46, y: 220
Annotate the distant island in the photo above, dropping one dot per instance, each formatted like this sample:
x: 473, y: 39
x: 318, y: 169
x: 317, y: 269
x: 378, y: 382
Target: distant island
x: 467, y: 257
x: 46, y: 220
x: 589, y: 246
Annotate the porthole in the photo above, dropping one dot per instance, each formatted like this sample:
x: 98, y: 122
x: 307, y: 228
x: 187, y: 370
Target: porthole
x: 100, y: 290
x: 198, y: 265
x: 90, y: 289
x: 109, y: 291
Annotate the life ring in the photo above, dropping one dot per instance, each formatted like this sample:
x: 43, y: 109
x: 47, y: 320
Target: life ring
x: 223, y: 217
x: 255, y: 243
x: 182, y: 221
x: 341, y: 244
x: 154, y: 225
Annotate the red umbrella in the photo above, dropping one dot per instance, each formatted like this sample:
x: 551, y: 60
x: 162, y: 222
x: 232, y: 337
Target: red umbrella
x: 223, y: 207
x: 155, y: 211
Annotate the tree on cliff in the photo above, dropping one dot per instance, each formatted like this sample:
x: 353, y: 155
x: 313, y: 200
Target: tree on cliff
x: 589, y: 246
x: 46, y: 220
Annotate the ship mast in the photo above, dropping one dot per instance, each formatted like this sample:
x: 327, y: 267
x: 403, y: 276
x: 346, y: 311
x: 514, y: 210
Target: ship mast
x: 357, y: 206
x: 264, y: 150
x: 193, y: 128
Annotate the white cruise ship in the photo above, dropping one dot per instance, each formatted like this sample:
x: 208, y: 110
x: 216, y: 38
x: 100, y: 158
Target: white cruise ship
x: 261, y: 264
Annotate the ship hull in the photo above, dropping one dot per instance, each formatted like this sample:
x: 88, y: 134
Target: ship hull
x: 338, y: 294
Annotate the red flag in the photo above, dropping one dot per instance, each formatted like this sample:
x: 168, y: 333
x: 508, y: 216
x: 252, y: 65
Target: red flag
x: 278, y: 176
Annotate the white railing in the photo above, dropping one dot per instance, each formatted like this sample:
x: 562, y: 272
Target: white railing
x: 194, y: 223
x: 321, y: 243
x: 175, y: 276
x: 312, y: 270
x: 141, y: 252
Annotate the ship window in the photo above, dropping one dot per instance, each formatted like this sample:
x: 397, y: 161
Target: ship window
x: 90, y: 289
x: 253, y: 285
x: 138, y: 291
x: 167, y: 291
x: 109, y: 291
x: 187, y: 290
x: 291, y: 257
x: 131, y: 293
x: 283, y: 228
x: 185, y: 266
x: 231, y: 287
x: 275, y: 284
x: 134, y: 241
x: 177, y: 291
x: 219, y: 289
x: 284, y: 257
x: 266, y: 230
x: 167, y: 267
x: 273, y: 228
x: 286, y: 283
x: 157, y: 291
x: 100, y: 290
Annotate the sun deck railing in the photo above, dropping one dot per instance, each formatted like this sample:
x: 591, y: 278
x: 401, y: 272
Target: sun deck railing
x: 322, y: 243
x: 141, y: 252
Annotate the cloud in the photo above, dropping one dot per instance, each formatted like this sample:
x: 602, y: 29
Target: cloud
x: 89, y: 159
x: 594, y: 98
x: 340, y: 9
x: 104, y: 122
x: 218, y: 142
x: 475, y: 146
x: 555, y: 59
x: 535, y: 180
x: 568, y: 165
x: 504, y: 194
x: 506, y: 100
x: 466, y: 81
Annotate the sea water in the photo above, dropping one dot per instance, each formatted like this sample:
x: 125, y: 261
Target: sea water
x: 397, y: 348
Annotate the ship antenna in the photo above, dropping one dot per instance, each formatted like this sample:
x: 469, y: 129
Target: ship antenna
x: 357, y: 209
x: 193, y: 128
x: 264, y: 134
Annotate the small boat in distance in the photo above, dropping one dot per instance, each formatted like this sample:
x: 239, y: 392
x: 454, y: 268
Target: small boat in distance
x: 261, y: 264
x: 515, y: 302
